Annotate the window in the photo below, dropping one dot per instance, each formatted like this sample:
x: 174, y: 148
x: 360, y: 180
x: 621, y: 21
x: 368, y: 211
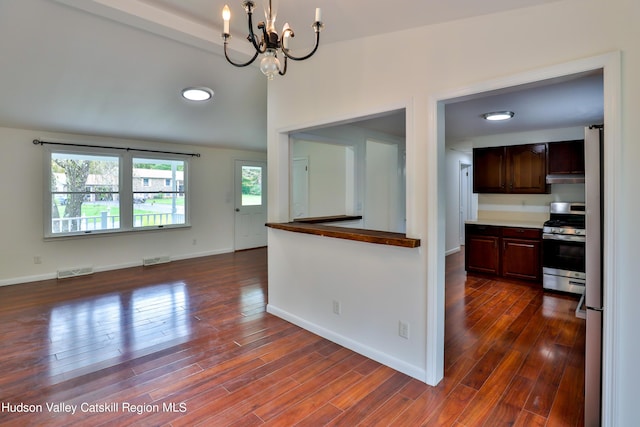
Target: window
x: 85, y: 192
x: 105, y: 191
x: 251, y: 185
x: 154, y: 203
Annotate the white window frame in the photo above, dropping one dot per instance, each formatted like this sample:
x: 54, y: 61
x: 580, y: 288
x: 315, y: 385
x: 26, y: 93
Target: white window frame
x: 125, y: 194
x: 160, y: 157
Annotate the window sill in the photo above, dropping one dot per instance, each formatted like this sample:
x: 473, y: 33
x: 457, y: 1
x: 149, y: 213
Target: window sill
x: 113, y: 232
x: 357, y: 234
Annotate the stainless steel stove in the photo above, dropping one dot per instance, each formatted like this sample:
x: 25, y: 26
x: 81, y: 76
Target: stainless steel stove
x: 563, y: 248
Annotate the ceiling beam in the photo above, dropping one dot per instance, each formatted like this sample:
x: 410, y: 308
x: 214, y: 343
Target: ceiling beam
x: 161, y: 22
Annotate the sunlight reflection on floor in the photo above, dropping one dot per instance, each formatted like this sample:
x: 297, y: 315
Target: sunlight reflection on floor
x: 94, y: 334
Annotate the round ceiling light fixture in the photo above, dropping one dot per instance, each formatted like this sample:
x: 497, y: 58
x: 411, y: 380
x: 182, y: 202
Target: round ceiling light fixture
x: 498, y: 115
x: 199, y: 94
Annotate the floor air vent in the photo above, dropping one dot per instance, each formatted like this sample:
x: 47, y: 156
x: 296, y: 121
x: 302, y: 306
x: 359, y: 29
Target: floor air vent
x: 155, y: 260
x: 74, y: 272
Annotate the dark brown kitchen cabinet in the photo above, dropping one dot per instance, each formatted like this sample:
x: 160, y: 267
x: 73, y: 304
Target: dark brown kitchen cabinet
x: 527, y: 169
x: 510, y: 252
x: 521, y: 253
x: 482, y: 246
x: 566, y: 157
x: 483, y: 254
x: 517, y: 169
x: 489, y: 170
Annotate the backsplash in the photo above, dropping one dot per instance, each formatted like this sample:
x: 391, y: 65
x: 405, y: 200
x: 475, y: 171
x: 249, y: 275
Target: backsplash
x: 526, y: 207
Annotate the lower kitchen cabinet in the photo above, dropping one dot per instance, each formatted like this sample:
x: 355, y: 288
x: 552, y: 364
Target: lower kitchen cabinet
x: 510, y: 252
x: 482, y: 249
x: 521, y: 259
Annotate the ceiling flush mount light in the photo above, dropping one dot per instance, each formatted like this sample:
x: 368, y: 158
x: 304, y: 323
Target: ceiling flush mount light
x: 270, y: 42
x: 199, y: 94
x: 497, y: 116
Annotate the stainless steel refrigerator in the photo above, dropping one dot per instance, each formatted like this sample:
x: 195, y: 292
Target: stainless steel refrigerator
x: 594, y: 302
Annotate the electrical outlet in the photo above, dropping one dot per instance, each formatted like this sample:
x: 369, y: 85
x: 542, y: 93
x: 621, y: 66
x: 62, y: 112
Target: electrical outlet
x: 337, y: 307
x: 37, y: 259
x: 403, y: 329
x: 194, y: 242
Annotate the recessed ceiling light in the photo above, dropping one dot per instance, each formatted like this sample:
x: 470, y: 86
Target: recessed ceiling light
x: 197, y: 93
x: 498, y: 115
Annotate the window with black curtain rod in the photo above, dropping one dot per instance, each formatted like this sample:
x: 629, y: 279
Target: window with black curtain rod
x: 92, y: 189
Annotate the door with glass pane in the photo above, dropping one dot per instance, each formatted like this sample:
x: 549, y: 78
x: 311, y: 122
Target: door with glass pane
x: 250, y: 204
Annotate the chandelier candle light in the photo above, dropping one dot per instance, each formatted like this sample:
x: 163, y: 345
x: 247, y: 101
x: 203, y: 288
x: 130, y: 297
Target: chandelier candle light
x: 271, y: 42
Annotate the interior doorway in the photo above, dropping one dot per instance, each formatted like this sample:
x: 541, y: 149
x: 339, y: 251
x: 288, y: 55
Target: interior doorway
x: 610, y: 65
x: 466, y: 191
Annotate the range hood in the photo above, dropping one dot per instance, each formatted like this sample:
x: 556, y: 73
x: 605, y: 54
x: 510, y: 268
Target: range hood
x: 565, y: 178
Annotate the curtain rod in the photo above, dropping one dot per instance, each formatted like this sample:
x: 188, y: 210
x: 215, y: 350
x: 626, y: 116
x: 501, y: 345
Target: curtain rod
x: 38, y: 142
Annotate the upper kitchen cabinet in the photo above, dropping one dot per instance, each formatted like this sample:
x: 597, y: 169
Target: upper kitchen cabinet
x: 517, y: 169
x: 527, y: 169
x: 489, y: 170
x: 565, y: 161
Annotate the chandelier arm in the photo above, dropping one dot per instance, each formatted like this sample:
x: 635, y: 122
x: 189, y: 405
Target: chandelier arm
x: 237, y: 64
x: 284, y: 68
x: 252, y: 36
x: 302, y: 58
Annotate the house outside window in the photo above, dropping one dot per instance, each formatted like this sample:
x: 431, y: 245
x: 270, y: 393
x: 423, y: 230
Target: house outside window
x: 159, y: 204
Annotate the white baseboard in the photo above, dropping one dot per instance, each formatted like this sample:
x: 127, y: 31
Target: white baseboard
x: 416, y: 372
x: 27, y: 279
x: 452, y: 251
x: 54, y: 274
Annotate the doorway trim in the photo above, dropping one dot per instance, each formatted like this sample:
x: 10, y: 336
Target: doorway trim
x: 610, y: 63
x: 464, y: 199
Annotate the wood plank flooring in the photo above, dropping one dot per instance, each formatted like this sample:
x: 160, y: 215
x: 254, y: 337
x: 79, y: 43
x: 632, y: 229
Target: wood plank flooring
x: 189, y: 343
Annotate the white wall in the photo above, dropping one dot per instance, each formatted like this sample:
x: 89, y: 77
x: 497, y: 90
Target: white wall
x: 21, y: 217
x: 383, y: 188
x: 367, y: 323
x: 327, y: 177
x: 356, y: 137
x: 444, y: 59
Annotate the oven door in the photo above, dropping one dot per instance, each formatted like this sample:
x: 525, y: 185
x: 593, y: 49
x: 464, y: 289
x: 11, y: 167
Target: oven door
x: 563, y: 262
x: 563, y: 252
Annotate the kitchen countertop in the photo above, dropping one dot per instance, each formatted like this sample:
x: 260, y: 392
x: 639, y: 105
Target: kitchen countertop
x: 507, y: 223
x: 357, y: 234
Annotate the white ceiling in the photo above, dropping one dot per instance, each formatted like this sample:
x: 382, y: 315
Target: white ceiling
x: 569, y: 101
x: 116, y: 67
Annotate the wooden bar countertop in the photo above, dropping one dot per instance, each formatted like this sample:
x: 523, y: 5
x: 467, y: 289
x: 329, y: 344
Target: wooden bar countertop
x: 314, y: 226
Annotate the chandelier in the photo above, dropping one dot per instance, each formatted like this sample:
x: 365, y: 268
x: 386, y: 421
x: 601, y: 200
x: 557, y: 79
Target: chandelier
x: 270, y: 42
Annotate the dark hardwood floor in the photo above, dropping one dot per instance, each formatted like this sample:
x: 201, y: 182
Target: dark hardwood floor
x: 189, y: 343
